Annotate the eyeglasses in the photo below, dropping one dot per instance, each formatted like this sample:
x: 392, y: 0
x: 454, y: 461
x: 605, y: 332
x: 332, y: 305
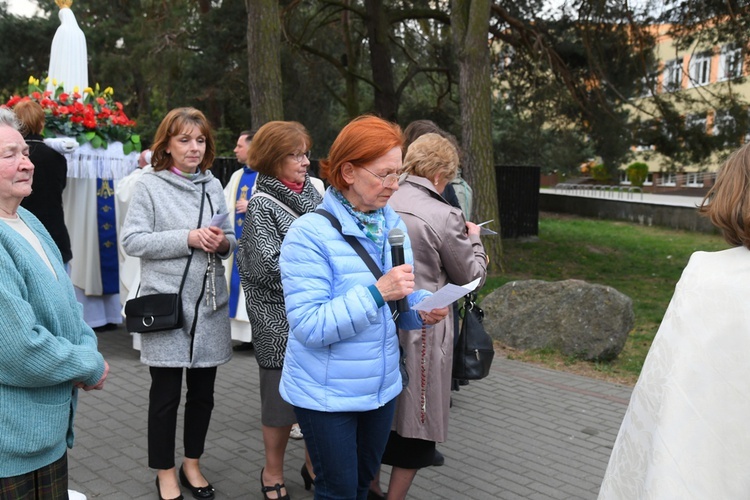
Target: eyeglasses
x: 299, y: 156
x: 387, y: 180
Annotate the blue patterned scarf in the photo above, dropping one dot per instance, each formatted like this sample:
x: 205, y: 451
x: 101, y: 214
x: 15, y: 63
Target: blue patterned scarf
x: 371, y: 223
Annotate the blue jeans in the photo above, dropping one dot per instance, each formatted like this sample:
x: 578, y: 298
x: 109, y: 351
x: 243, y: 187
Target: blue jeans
x: 345, y: 448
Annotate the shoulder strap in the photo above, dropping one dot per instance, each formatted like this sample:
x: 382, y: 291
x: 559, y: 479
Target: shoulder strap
x: 354, y: 242
x: 357, y: 246
x: 192, y: 250
x: 278, y: 202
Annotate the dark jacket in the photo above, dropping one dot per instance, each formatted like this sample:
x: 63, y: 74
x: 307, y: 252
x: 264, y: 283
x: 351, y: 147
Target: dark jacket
x: 45, y: 201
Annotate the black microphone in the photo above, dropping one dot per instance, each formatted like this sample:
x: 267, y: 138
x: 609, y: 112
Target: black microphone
x: 396, y: 239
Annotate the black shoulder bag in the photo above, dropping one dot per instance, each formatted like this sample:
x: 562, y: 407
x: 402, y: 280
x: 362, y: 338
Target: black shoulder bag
x: 474, y: 351
x: 160, y: 311
x: 375, y: 270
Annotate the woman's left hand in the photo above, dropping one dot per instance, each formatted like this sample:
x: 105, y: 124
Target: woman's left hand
x: 434, y: 316
x: 212, y: 239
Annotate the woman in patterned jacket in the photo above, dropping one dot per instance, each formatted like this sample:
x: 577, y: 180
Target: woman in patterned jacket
x: 279, y: 153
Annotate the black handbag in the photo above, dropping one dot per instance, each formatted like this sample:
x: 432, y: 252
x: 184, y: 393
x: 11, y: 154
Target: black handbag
x: 474, y: 351
x: 154, y: 313
x: 159, y: 312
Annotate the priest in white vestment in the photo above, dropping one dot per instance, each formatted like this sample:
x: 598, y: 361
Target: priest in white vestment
x: 237, y: 192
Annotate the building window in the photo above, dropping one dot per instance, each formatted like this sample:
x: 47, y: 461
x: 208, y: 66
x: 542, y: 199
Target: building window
x: 694, y: 179
x: 624, y: 178
x: 730, y: 62
x: 647, y: 85
x: 724, y: 123
x: 696, y: 121
x: 673, y: 75
x: 700, y: 69
x: 649, y: 180
x: 668, y: 179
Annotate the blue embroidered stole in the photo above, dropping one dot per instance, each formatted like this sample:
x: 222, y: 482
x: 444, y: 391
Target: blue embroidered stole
x: 107, y: 229
x: 244, y: 191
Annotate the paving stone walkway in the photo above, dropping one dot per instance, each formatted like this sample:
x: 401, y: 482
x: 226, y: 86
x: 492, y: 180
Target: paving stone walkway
x: 524, y: 432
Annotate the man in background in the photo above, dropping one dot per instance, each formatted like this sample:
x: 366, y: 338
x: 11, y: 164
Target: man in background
x: 237, y: 193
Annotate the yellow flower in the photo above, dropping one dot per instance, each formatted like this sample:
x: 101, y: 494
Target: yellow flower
x: 97, y: 86
x: 88, y: 90
x: 31, y: 80
x: 46, y: 79
x: 54, y: 82
x: 109, y: 90
x: 75, y: 89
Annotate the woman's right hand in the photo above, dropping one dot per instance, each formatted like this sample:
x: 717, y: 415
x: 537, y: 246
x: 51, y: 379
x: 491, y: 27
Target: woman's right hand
x: 396, y: 283
x: 472, y: 228
x: 209, y: 239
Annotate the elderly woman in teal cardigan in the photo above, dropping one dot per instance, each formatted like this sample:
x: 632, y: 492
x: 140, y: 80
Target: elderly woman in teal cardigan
x: 47, y: 352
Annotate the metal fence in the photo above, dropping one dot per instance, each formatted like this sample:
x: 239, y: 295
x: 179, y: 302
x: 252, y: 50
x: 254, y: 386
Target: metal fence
x: 601, y: 191
x: 223, y: 168
x: 518, y: 197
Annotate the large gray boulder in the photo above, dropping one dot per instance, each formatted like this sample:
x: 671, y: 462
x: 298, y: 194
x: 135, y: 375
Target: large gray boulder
x: 574, y: 317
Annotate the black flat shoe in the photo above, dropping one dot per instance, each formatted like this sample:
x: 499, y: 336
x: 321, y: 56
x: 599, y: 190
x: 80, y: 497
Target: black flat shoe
x: 438, y: 459
x: 276, y: 487
x: 202, y: 493
x: 309, y: 481
x: 371, y: 495
x: 158, y: 490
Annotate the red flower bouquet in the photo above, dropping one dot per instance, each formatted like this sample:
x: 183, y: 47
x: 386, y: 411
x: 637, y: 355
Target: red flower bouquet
x: 94, y: 117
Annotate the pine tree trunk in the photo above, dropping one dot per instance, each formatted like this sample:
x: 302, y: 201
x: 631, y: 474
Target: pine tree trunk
x: 469, y: 22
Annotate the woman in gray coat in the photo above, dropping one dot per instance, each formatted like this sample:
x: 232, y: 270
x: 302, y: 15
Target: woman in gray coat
x: 162, y: 228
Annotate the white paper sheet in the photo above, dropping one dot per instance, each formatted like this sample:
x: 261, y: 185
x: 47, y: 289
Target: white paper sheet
x: 485, y: 231
x: 446, y: 296
x: 218, y: 219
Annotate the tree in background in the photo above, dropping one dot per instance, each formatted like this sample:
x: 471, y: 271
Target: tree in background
x: 576, y: 67
x: 264, y: 61
x: 469, y: 20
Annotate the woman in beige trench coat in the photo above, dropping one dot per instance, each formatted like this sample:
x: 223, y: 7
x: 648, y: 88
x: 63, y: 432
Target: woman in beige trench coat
x: 447, y: 249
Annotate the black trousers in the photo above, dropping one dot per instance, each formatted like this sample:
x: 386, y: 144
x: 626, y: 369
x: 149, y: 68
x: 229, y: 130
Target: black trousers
x: 163, y: 402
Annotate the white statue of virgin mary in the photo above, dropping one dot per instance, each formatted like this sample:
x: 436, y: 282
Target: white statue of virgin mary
x: 68, y: 63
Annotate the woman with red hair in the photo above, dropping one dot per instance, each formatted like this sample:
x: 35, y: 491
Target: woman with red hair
x: 342, y: 370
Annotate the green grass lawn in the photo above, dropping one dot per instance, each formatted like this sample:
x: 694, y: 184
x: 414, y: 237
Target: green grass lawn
x: 642, y: 262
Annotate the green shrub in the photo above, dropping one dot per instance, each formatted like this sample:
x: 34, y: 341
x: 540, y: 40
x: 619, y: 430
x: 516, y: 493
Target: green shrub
x: 637, y: 173
x: 600, y: 174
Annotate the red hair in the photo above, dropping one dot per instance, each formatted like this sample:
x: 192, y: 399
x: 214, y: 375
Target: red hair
x: 363, y: 140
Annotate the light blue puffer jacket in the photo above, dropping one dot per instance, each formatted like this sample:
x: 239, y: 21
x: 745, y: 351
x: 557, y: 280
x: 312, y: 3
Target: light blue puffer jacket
x: 342, y: 353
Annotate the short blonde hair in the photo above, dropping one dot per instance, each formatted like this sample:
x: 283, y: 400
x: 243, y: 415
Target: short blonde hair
x: 430, y: 156
x: 727, y: 203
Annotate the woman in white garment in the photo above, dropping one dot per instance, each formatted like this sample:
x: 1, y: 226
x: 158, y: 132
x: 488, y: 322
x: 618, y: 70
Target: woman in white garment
x: 685, y: 433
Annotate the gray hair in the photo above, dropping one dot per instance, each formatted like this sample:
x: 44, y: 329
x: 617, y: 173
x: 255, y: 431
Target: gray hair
x: 9, y: 119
